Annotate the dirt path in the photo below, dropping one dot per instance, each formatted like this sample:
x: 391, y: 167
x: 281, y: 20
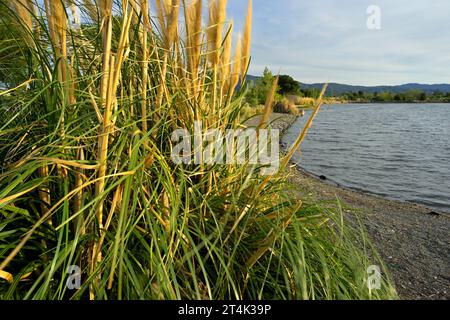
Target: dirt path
x: 413, y: 240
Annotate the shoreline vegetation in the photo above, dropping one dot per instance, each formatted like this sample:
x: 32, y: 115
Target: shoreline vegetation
x: 87, y: 181
x: 411, y: 238
x: 293, y: 97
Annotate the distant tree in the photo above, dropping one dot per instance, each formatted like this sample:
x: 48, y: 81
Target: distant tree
x: 388, y: 96
x: 375, y: 97
x: 258, y: 92
x: 385, y: 96
x: 288, y: 85
x: 309, y: 93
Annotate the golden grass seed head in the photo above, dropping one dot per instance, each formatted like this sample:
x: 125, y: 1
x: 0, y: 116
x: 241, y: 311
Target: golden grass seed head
x: 247, y: 39
x: 236, y: 65
x: 105, y: 8
x: 226, y: 56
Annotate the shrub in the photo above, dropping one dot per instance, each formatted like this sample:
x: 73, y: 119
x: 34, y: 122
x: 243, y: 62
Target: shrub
x: 288, y: 85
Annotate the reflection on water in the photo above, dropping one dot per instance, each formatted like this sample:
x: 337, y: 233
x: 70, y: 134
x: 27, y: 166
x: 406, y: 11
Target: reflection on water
x: 400, y: 151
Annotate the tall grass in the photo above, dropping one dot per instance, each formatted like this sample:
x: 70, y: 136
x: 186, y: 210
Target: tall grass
x: 86, y: 176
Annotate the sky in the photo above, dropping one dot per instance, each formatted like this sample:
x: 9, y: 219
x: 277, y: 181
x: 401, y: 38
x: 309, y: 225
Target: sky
x: 329, y: 41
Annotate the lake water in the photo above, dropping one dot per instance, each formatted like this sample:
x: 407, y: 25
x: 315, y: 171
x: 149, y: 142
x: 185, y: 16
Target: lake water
x: 399, y: 151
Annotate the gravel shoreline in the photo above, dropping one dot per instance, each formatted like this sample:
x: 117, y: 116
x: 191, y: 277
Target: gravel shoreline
x: 413, y: 240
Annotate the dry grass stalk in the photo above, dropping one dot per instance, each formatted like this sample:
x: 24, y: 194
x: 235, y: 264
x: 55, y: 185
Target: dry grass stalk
x: 103, y: 141
x: 193, y: 18
x: 297, y: 142
x: 226, y: 58
x: 23, y: 9
x: 58, y: 16
x: 308, y: 125
x: 116, y: 199
x: 145, y: 15
x: 50, y: 21
x: 168, y: 12
x: 217, y: 16
x: 105, y: 14
x: 103, y: 147
x: 161, y: 16
x: 57, y: 22
x: 108, y: 63
x: 44, y: 192
x: 172, y: 23
x: 269, y: 104
x: 78, y: 199
x: 144, y: 63
x: 247, y: 40
x: 90, y: 9
x: 105, y: 8
x: 108, y: 123
x: 236, y: 67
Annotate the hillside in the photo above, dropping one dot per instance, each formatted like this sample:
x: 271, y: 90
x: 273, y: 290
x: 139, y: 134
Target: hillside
x: 336, y: 89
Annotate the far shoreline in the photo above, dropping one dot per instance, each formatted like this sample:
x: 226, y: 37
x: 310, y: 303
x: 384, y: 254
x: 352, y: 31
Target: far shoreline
x: 359, y: 102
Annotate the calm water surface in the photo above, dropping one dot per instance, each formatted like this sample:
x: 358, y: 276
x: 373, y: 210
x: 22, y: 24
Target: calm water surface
x: 400, y: 151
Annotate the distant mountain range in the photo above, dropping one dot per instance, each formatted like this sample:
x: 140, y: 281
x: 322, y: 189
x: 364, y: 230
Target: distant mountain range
x: 338, y: 88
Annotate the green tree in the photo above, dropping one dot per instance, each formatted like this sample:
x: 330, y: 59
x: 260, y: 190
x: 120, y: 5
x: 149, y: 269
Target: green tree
x: 309, y: 93
x: 258, y: 92
x: 288, y: 85
x: 385, y: 96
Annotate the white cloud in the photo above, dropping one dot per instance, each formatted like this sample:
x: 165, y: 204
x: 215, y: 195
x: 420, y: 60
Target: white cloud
x: 325, y: 40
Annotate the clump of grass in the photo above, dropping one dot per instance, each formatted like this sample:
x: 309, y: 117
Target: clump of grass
x: 86, y: 176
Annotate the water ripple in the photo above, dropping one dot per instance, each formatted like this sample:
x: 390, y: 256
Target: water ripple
x: 399, y: 151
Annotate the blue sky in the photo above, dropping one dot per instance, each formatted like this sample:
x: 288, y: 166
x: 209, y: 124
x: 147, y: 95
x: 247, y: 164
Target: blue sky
x: 328, y: 40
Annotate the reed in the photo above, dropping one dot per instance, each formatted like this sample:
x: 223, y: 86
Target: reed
x: 143, y: 37
x: 91, y: 9
x: 193, y: 15
x: 106, y: 96
x: 247, y: 40
x: 226, y: 57
x: 24, y: 9
x: 217, y: 16
x: 87, y: 177
x: 268, y: 107
x: 237, y: 67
